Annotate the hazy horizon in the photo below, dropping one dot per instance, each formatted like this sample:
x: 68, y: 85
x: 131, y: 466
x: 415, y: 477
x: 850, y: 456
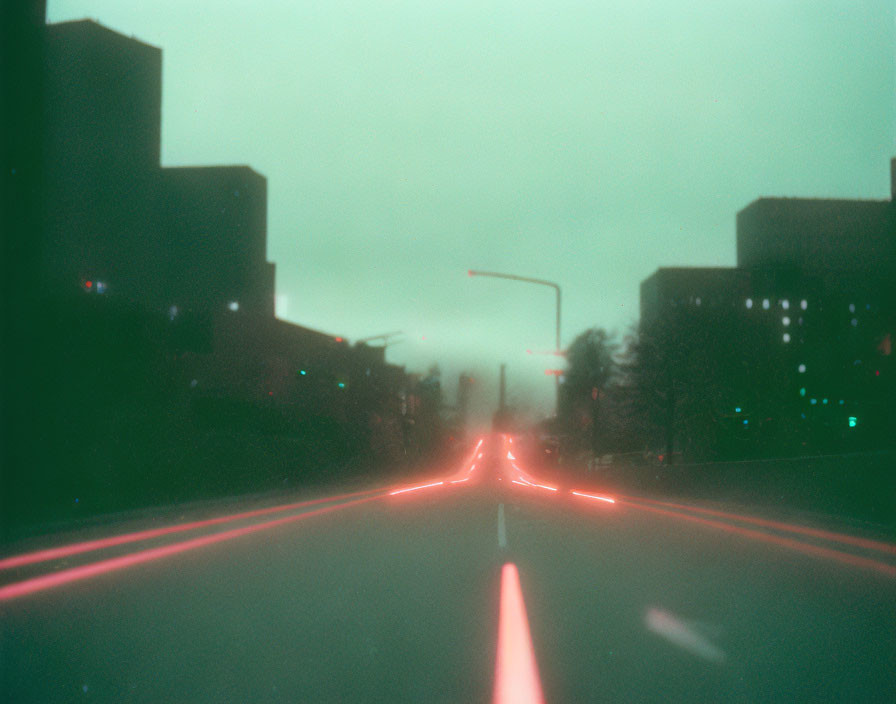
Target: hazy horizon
x: 584, y: 143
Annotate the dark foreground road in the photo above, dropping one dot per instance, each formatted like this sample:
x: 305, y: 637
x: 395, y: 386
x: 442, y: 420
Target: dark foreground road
x: 389, y: 597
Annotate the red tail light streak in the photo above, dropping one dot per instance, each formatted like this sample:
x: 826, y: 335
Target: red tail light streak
x: 74, y: 574
x: 856, y: 541
x: 595, y: 496
x: 415, y: 488
x: 523, y: 482
x: 516, y: 672
x: 524, y: 478
x: 790, y: 543
x: 125, y: 538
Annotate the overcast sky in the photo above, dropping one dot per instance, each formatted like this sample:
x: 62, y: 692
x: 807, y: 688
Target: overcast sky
x: 584, y: 142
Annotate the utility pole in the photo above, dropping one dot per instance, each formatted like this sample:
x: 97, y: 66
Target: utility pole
x: 502, y: 390
x: 540, y: 282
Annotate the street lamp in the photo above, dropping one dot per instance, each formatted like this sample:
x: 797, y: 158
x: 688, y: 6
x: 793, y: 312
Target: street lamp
x: 539, y: 282
x: 384, y: 337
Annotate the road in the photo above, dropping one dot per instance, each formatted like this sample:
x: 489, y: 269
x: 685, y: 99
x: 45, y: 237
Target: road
x: 399, y: 595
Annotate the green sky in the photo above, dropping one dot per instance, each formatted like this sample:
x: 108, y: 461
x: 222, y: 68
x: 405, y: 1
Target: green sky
x: 583, y: 142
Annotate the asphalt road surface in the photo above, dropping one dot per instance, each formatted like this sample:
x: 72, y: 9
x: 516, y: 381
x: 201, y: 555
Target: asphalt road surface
x: 476, y: 585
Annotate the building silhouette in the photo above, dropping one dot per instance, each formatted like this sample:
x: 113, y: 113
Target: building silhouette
x: 192, y: 239
x: 791, y: 350
x: 139, y: 313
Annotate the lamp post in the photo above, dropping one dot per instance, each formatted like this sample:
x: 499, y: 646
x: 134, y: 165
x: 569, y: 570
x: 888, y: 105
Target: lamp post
x: 539, y: 282
x: 384, y: 337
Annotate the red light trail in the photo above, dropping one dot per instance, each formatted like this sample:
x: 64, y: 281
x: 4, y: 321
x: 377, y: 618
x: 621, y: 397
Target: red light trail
x: 525, y: 477
x: 595, y: 496
x: 778, y: 525
x: 74, y: 574
x: 806, y: 548
x: 414, y: 488
x: 47, y: 581
x: 101, y: 543
x: 516, y: 672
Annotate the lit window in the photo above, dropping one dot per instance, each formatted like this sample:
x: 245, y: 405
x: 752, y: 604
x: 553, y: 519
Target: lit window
x: 749, y: 303
x: 785, y: 304
x: 803, y: 391
x: 824, y: 401
x: 853, y: 322
x: 172, y: 312
x: 801, y: 369
x: 765, y: 304
x: 100, y: 287
x: 813, y: 401
x: 786, y: 337
x: 233, y: 305
x: 852, y: 307
x: 785, y: 320
x: 698, y: 300
x: 804, y: 304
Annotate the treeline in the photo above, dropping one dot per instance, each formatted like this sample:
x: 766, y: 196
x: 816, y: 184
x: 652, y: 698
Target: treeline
x: 711, y: 387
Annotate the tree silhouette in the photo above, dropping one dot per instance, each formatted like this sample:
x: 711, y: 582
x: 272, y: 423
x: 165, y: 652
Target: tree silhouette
x: 591, y: 370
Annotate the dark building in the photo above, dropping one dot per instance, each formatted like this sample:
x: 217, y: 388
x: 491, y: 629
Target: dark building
x: 793, y: 347
x: 109, y: 89
x: 116, y: 222
x: 214, y: 224
x: 103, y: 96
x: 670, y: 289
x: 812, y: 235
x: 21, y: 176
x: 145, y: 359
